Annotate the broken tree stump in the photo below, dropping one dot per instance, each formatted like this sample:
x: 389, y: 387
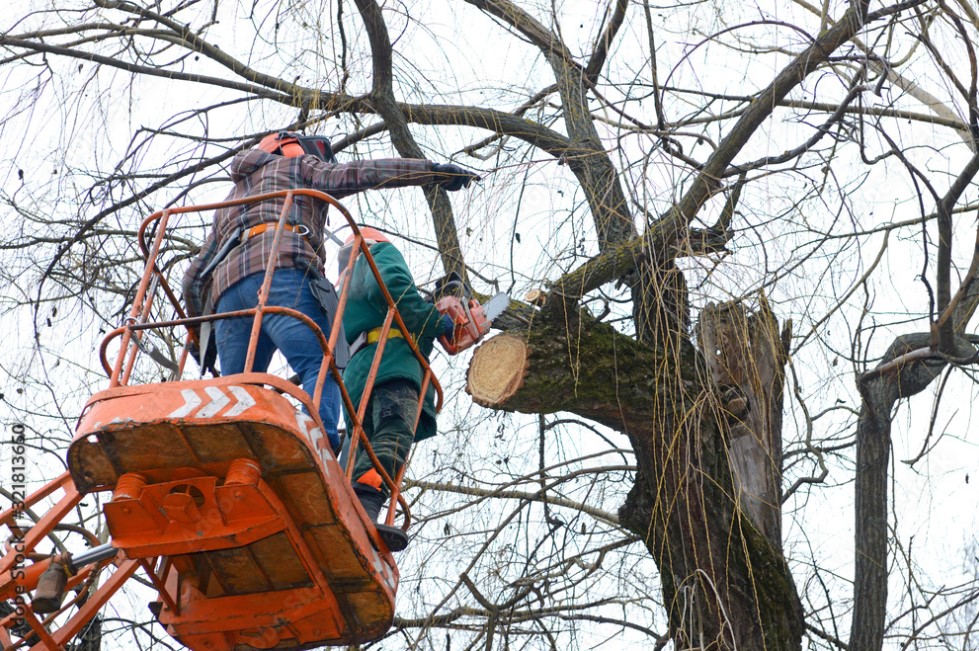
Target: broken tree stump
x: 746, y: 357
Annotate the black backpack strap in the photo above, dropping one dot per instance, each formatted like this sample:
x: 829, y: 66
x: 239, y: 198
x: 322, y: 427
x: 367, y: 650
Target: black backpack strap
x: 326, y: 296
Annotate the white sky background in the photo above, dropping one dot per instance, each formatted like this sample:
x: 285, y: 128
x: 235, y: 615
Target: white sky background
x: 463, y: 57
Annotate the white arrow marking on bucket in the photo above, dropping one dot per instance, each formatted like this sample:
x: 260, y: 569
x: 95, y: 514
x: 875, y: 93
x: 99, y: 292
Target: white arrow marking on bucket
x: 315, y: 438
x: 383, y: 570
x: 191, y: 402
x: 218, y: 402
x: 378, y: 565
x: 392, y: 580
x: 303, y: 421
x: 320, y: 445
x: 244, y: 401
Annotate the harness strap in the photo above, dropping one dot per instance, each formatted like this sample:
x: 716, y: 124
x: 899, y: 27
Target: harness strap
x: 258, y: 229
x: 372, y: 337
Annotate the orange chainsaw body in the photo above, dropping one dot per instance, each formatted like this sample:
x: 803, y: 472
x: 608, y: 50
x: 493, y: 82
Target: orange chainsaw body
x: 471, y: 323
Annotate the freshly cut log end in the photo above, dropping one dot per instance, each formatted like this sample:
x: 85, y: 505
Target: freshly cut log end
x: 497, y: 370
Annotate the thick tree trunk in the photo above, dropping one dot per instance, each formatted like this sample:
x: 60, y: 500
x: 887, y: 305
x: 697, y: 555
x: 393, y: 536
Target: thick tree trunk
x: 725, y: 584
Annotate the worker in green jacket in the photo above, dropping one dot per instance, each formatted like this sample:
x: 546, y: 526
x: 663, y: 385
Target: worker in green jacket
x: 390, y: 416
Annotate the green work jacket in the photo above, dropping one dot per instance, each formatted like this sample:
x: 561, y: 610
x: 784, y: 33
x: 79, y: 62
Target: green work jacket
x: 366, y: 309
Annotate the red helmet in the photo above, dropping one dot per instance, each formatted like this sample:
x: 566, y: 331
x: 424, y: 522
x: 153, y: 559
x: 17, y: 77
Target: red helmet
x: 372, y: 235
x: 291, y: 145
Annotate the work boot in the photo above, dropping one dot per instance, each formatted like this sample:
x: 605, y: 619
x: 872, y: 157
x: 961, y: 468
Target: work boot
x: 372, y: 500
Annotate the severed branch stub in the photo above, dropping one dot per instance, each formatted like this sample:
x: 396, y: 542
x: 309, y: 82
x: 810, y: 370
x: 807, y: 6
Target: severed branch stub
x: 578, y: 365
x: 498, y: 371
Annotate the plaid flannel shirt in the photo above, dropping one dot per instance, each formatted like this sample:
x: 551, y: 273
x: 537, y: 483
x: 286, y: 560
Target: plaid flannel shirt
x: 257, y: 172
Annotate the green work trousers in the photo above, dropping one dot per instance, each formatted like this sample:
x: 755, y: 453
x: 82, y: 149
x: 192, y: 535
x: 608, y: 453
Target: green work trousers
x: 390, y: 427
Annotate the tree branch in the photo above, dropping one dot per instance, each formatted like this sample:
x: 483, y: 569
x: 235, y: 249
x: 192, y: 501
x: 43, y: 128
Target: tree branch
x: 276, y: 94
x: 664, y: 236
x: 383, y: 96
x: 908, y: 367
x: 604, y: 42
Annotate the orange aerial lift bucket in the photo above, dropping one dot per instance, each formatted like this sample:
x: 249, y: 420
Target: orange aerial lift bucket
x: 223, y: 493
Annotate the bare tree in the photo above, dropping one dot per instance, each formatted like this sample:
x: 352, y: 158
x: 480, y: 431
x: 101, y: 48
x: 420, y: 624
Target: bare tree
x: 713, y: 210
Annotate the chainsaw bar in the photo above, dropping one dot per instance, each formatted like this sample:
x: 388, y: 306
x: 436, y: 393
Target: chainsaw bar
x: 496, y: 306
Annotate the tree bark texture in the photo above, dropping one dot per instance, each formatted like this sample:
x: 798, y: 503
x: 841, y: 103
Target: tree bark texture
x: 725, y: 584
x: 880, y: 393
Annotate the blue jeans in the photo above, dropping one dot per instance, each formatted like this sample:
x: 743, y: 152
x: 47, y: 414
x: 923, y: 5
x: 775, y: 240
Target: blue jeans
x: 301, y: 348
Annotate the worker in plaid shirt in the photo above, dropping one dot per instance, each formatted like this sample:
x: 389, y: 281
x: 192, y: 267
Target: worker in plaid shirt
x: 228, y: 271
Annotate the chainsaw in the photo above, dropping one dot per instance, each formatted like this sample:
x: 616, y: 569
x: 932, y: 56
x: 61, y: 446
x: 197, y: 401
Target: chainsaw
x: 471, y: 318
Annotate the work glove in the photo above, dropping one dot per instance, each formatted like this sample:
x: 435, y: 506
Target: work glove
x: 448, y: 328
x: 458, y: 177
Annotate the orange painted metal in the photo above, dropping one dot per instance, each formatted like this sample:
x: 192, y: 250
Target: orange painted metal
x: 64, y: 633
x: 223, y: 492
x: 258, y: 519
x: 14, y: 583
x: 23, y: 627
x: 28, y: 541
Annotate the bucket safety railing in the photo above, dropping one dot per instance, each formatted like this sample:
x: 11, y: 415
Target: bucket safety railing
x: 154, y: 281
